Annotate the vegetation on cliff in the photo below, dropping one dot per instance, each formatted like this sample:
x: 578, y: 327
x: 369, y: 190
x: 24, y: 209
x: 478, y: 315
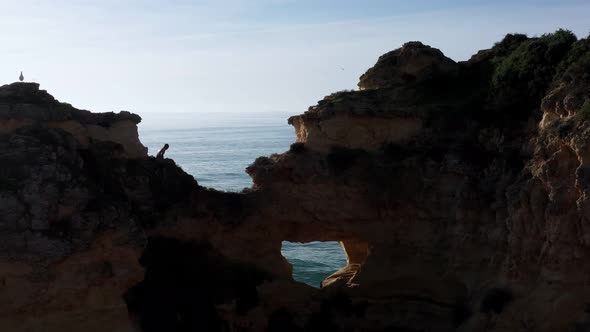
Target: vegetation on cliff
x: 509, y: 80
x: 521, y: 78
x: 459, y: 192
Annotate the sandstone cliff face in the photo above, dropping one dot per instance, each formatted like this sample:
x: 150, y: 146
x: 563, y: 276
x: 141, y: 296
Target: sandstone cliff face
x: 24, y: 105
x: 344, y: 122
x: 474, y: 221
x: 73, y: 197
x: 459, y: 192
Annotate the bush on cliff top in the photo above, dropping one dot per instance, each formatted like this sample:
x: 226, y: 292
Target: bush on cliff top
x: 576, y: 65
x: 522, y: 77
x: 509, y: 43
x: 534, y: 57
x: 584, y: 112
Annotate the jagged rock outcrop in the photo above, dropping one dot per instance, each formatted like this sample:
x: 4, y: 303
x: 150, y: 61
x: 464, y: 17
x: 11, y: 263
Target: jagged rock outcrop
x: 390, y: 108
x: 24, y: 105
x: 357, y: 124
x: 459, y: 192
x: 73, y: 200
x: 475, y: 221
x: 414, y: 62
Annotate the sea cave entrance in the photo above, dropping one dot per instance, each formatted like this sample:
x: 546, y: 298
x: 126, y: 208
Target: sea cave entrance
x: 314, y: 261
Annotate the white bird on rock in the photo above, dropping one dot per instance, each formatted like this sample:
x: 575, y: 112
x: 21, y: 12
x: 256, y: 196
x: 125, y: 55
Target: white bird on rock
x: 21, y: 77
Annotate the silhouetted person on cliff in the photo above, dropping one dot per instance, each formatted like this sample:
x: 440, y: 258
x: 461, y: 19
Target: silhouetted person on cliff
x: 21, y: 77
x: 160, y: 154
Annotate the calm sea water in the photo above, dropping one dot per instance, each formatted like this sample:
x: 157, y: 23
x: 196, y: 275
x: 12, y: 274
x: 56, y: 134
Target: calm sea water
x: 217, y: 151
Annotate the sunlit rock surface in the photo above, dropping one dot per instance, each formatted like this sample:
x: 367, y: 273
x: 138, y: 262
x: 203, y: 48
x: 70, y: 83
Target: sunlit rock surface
x: 459, y: 192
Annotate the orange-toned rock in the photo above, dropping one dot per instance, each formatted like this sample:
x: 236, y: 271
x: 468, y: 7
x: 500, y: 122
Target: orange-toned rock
x: 460, y: 203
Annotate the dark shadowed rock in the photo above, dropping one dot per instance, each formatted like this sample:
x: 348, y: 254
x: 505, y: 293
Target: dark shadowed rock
x: 459, y: 193
x: 412, y: 63
x: 24, y: 105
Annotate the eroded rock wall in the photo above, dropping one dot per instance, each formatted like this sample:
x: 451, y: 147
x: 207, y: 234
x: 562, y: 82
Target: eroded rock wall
x: 24, y: 105
x: 476, y: 221
x: 76, y: 192
x: 458, y: 192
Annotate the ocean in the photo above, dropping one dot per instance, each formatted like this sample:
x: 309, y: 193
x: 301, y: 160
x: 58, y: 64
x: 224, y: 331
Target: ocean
x: 217, y: 148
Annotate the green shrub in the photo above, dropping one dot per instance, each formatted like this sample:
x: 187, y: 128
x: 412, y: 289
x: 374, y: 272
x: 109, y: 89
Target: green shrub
x: 576, y: 64
x: 532, y: 64
x: 521, y: 78
x: 509, y: 43
x: 584, y: 112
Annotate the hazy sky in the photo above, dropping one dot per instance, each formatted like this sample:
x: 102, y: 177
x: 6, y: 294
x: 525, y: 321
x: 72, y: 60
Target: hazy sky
x: 242, y: 55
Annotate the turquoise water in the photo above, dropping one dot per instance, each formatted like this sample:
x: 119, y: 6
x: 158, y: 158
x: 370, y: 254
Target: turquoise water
x: 217, y: 154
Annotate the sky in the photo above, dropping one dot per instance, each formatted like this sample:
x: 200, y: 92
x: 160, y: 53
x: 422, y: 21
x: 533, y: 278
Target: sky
x: 160, y: 58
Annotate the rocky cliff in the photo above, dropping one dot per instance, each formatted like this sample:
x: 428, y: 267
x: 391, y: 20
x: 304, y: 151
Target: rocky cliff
x: 458, y: 191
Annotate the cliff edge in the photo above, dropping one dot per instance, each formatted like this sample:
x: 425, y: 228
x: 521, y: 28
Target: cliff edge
x: 458, y: 190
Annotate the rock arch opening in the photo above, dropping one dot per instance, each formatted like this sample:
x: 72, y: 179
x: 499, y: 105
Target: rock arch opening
x: 320, y: 263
